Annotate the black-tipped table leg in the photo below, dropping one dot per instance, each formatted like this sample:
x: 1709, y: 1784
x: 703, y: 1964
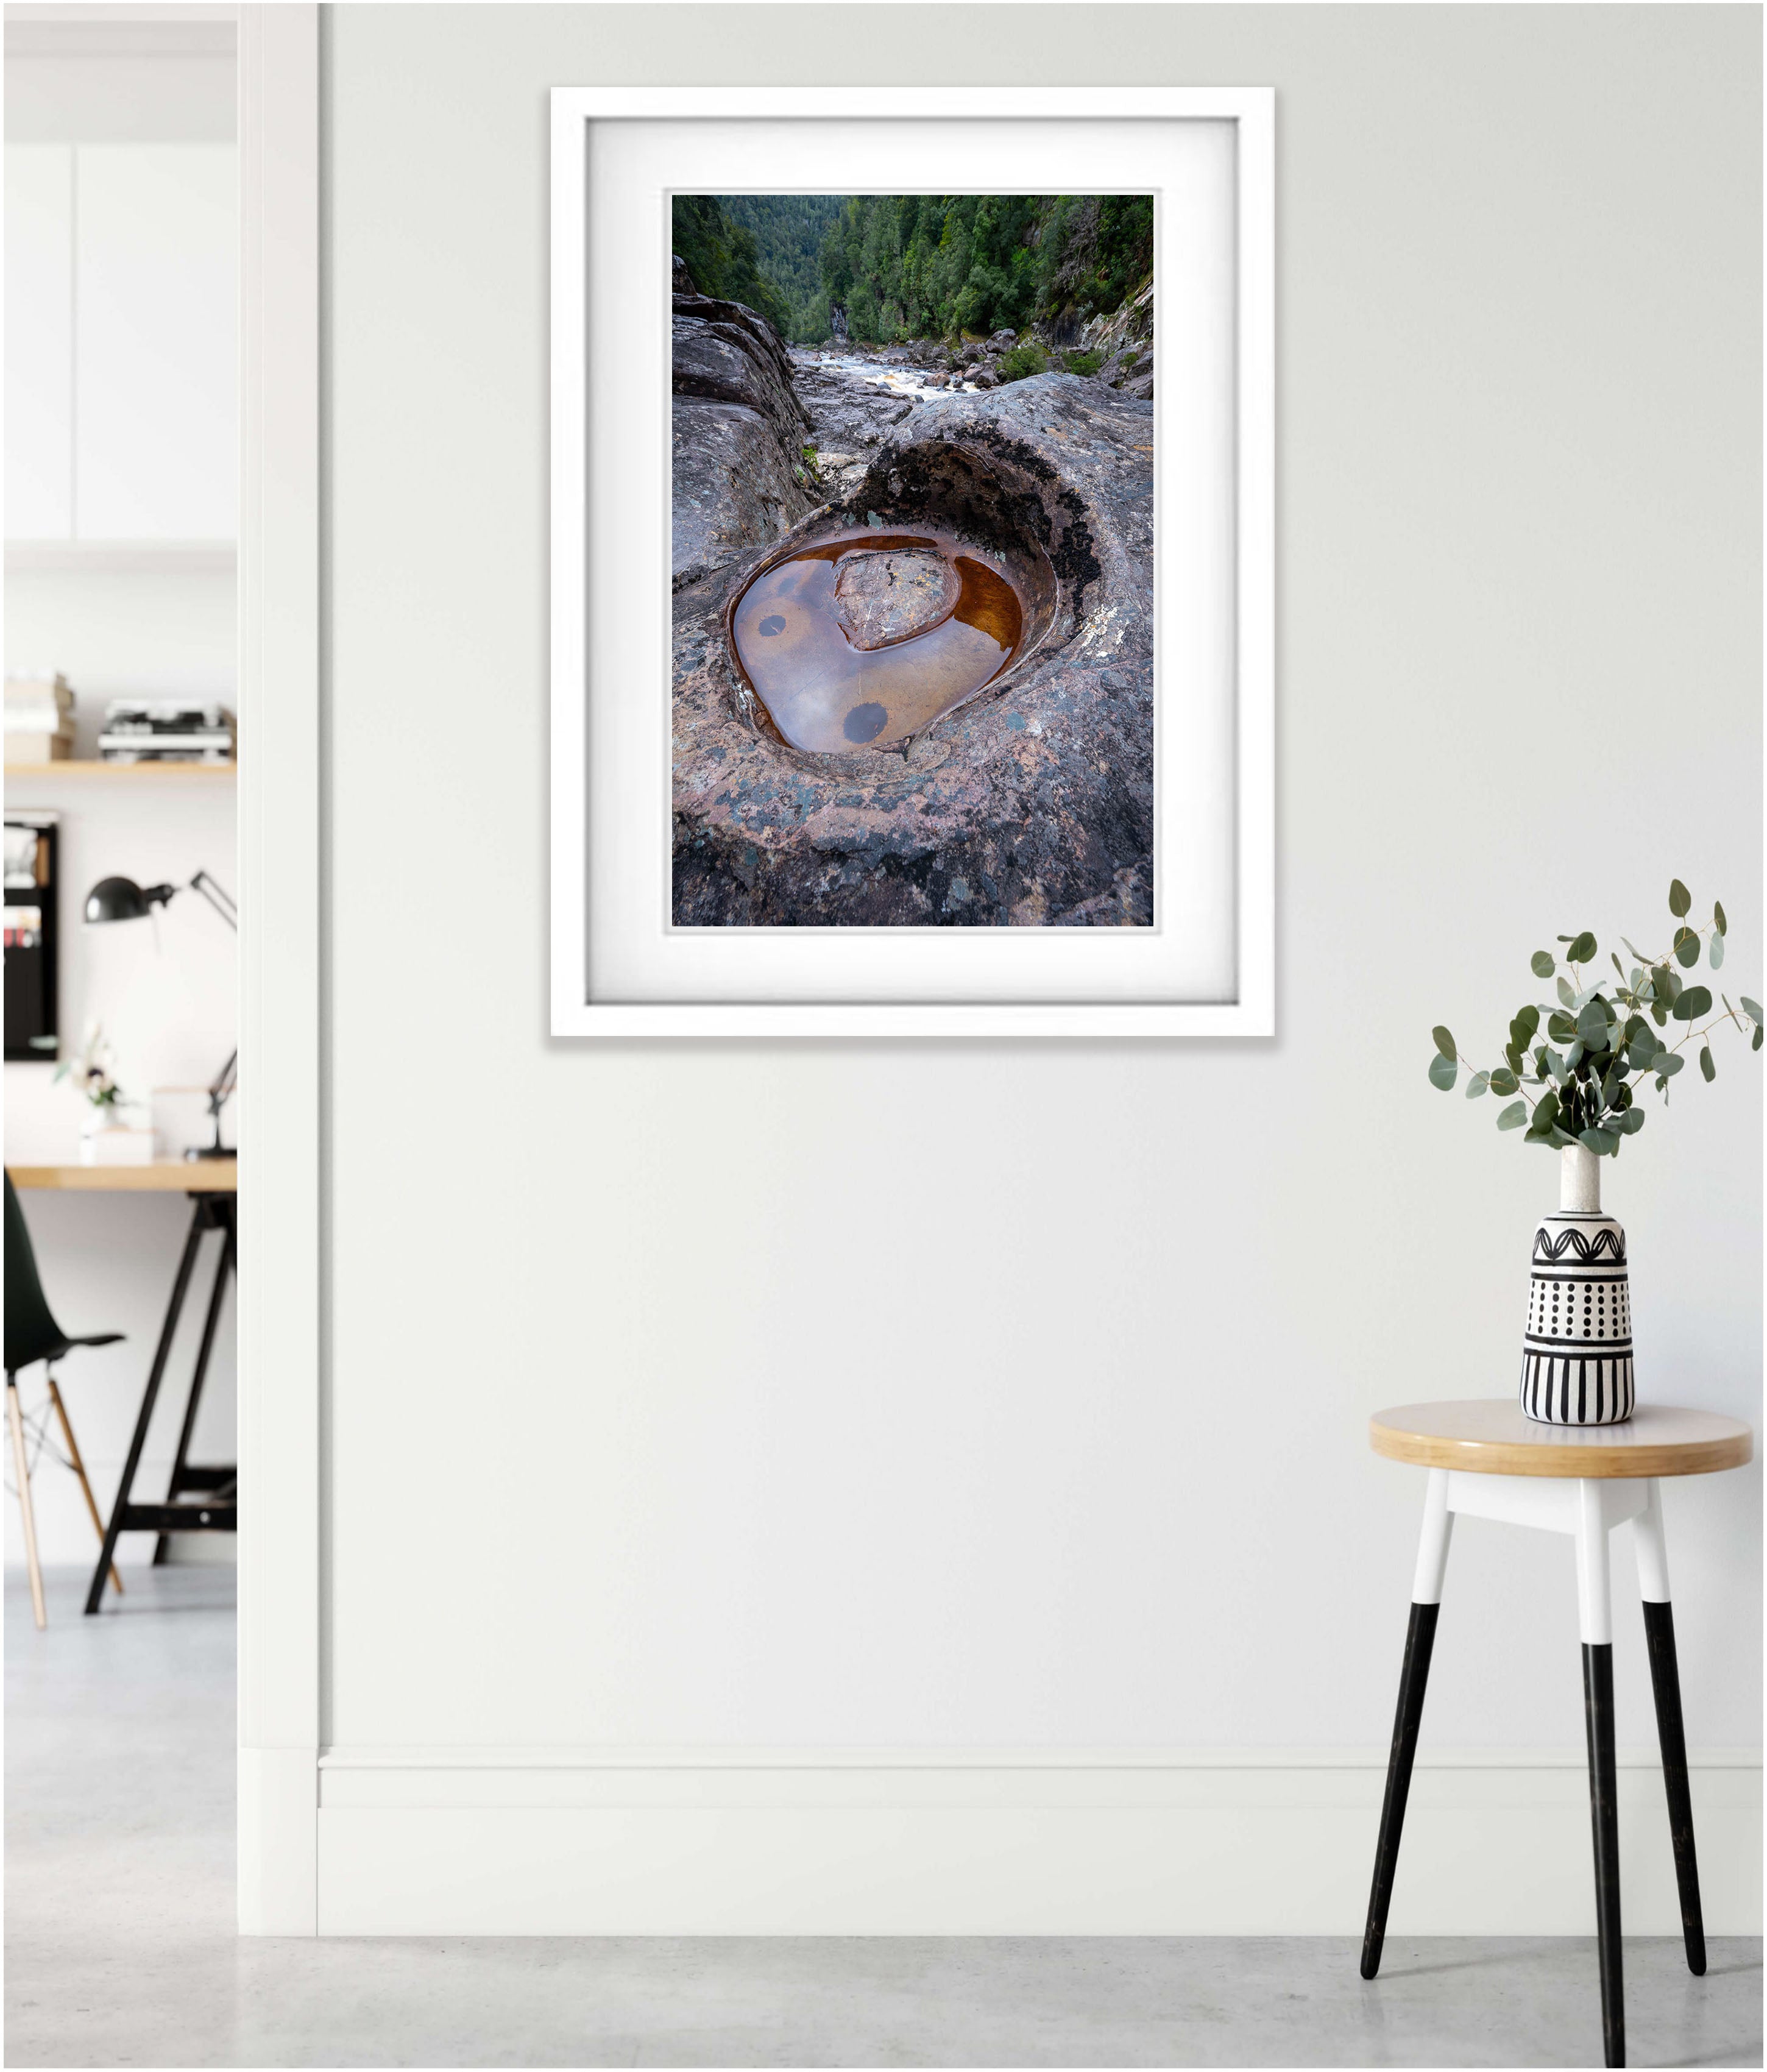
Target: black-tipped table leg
x: 1659, y: 1633
x: 1420, y: 1640
x: 1604, y: 1824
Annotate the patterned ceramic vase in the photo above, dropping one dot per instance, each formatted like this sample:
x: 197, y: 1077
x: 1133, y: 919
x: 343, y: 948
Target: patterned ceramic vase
x: 1576, y: 1354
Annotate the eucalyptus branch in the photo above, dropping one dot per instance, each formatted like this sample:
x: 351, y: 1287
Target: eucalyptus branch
x: 1605, y: 1039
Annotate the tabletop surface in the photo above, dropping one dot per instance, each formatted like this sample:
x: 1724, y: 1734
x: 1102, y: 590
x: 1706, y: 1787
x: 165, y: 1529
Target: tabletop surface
x: 1495, y: 1437
x: 165, y: 1176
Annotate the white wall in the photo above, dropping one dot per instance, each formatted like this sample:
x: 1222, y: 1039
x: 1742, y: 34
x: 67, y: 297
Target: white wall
x: 899, y: 1397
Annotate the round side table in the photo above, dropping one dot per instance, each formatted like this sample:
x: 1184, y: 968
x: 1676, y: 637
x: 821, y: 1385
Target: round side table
x: 1487, y: 1460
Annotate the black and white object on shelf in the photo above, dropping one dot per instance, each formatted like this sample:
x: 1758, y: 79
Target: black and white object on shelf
x: 165, y: 730
x: 1576, y: 1353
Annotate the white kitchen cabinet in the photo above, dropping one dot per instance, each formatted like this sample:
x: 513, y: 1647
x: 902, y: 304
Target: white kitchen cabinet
x: 156, y: 341
x: 40, y: 343
x: 122, y: 332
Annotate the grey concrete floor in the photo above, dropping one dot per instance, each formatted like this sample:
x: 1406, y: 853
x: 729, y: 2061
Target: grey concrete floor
x: 120, y: 1949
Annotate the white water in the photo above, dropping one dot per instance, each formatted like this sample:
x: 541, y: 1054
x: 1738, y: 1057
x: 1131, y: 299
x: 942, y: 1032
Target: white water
x: 897, y: 380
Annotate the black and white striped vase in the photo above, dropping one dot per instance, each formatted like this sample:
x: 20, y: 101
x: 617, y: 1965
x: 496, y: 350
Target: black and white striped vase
x: 1576, y: 1354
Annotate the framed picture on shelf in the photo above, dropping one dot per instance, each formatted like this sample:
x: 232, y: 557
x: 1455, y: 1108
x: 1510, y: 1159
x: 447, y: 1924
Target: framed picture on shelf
x: 912, y: 562
x: 33, y: 941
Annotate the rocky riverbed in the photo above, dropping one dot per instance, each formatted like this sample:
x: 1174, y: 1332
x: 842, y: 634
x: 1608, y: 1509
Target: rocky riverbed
x: 1030, y: 805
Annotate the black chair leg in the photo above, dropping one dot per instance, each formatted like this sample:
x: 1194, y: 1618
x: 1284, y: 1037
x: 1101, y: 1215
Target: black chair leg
x: 1659, y: 1633
x: 1604, y: 1821
x: 1420, y: 1640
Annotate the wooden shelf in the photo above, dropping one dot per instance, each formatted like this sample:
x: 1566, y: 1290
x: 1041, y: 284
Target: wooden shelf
x: 79, y: 769
x: 165, y: 1176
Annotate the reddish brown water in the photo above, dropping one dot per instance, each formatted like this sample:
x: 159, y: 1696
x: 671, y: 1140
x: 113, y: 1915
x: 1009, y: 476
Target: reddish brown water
x: 825, y: 693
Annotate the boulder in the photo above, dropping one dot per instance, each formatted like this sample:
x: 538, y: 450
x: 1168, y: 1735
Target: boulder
x: 886, y: 594
x: 1002, y: 341
x: 729, y: 354
x: 1030, y: 805
x: 737, y: 433
x: 733, y: 490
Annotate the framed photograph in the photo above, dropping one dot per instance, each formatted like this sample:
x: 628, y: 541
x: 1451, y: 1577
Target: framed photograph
x: 912, y: 562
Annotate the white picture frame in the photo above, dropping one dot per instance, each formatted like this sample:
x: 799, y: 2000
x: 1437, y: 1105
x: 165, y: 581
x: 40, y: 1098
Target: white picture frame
x: 606, y: 918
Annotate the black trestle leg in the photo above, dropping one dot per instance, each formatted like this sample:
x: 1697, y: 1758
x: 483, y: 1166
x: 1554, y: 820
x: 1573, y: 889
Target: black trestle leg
x: 1420, y: 1640
x: 1659, y: 1633
x: 155, y: 1375
x: 1604, y: 1821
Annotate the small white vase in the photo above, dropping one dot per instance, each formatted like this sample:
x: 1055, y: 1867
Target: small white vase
x: 1576, y: 1353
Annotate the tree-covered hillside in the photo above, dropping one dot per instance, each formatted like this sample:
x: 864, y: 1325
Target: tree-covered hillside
x: 723, y: 258
x: 788, y: 231
x: 919, y: 265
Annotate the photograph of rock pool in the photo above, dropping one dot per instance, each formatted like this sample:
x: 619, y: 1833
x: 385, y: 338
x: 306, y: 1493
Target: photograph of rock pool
x: 912, y: 560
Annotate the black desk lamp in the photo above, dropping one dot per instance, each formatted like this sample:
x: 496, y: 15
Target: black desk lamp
x: 122, y: 899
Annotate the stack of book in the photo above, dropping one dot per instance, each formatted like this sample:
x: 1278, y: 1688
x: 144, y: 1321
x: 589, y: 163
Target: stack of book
x: 39, y: 720
x: 165, y: 730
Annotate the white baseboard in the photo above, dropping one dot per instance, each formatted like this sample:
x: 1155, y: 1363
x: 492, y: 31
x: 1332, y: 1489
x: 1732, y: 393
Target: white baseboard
x: 442, y: 1842
x: 277, y: 1875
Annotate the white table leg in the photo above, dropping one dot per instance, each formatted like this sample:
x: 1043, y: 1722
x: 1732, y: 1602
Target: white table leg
x: 1432, y: 1541
x: 1595, y: 1600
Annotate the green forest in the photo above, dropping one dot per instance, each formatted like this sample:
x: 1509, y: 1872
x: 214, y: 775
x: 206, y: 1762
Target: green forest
x: 906, y: 266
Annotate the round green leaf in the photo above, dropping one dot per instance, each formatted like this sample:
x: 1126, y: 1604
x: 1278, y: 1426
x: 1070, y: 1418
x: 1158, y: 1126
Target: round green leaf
x: 1541, y: 963
x: 1546, y: 1110
x: 1599, y: 1141
x: 1631, y: 1122
x: 1680, y: 899
x: 1593, y: 1025
x: 1526, y: 1026
x: 1686, y: 949
x: 1561, y: 1028
x: 1756, y: 1045
x: 1444, y: 1043
x: 1503, y: 1082
x: 1708, y: 1069
x: 1715, y: 949
x: 1479, y: 1083
x: 1751, y: 1008
x: 1642, y: 1050
x: 1582, y: 951
x: 1443, y: 1071
x: 1718, y: 920
x: 1666, y: 1063
x: 1694, y: 1000
x: 1568, y: 993
x: 1513, y: 1116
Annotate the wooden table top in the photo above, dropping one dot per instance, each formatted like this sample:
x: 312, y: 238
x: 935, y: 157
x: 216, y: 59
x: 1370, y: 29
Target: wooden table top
x: 165, y: 1176
x: 1491, y: 1437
